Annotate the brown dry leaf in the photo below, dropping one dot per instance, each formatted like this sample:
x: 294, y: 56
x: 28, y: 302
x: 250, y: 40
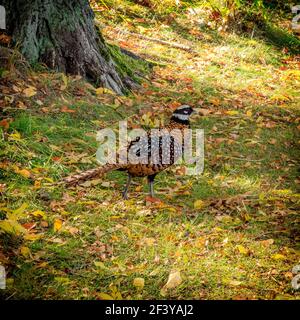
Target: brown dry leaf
x: 73, y: 230
x: 272, y: 141
x: 2, y: 187
x: 267, y: 243
x: 147, y: 242
x: 4, y: 124
x: 44, y: 224
x: 150, y: 200
x: 215, y: 101
x: 203, y: 111
x: 65, y: 109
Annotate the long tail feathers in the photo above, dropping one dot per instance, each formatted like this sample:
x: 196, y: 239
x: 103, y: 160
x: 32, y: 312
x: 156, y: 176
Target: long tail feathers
x: 90, y: 174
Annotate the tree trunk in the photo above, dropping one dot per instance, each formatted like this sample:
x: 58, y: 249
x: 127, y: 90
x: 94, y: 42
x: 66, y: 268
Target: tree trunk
x: 62, y: 34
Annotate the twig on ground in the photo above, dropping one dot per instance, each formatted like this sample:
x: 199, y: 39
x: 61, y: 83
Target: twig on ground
x: 163, y: 42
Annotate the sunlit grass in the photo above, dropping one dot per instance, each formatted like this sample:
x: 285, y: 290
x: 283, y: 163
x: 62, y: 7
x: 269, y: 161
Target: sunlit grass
x: 241, y: 244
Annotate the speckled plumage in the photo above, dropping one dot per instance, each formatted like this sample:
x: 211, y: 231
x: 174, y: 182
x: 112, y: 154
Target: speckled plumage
x: 153, y: 153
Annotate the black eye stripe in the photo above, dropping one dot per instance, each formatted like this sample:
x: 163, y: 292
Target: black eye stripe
x: 183, y: 111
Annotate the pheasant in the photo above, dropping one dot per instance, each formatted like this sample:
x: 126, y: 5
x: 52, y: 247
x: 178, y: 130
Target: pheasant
x: 151, y: 152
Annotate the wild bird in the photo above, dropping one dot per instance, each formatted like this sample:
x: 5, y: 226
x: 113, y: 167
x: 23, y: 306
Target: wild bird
x: 151, y: 151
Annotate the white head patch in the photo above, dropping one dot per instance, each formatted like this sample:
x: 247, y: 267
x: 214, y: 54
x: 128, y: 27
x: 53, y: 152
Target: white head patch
x: 182, y: 117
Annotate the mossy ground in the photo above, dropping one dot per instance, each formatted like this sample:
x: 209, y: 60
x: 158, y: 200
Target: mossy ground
x: 241, y: 243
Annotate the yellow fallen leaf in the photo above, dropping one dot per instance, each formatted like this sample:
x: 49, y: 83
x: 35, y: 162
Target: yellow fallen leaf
x: 174, y: 280
x: 63, y: 280
x: 100, y: 265
x: 16, y: 214
x: 29, y: 92
x: 11, y: 226
x: 101, y: 90
x: 23, y: 172
x: 139, y: 283
x: 242, y: 249
x: 39, y: 214
x: 234, y: 283
x: 278, y: 256
x: 25, y: 252
x: 57, y: 225
x: 65, y: 82
x: 104, y: 296
x: 249, y: 113
x: 32, y: 236
x: 232, y: 112
x: 148, y: 242
x: 198, y: 204
x: 16, y: 136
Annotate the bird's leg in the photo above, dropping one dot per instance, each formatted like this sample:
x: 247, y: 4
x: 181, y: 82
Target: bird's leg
x: 151, y: 184
x: 127, y: 187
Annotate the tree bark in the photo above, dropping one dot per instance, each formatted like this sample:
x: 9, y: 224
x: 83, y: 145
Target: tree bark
x: 62, y: 34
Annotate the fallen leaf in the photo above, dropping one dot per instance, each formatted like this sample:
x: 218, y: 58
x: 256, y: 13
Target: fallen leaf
x: 73, y: 230
x: 278, y: 256
x: 16, y: 136
x: 63, y: 280
x: 4, y: 123
x: 147, y: 242
x: 198, y: 204
x: 29, y: 92
x: 25, y: 252
x: 139, y: 283
x: 267, y: 243
x: 101, y: 90
x: 104, y: 296
x: 203, y: 111
x: 99, y: 264
x: 174, y: 280
x: 32, y: 236
x: 234, y: 283
x: 150, y: 199
x: 39, y: 214
x: 232, y: 112
x: 57, y: 225
x: 23, y: 172
x: 65, y: 109
x: 242, y: 250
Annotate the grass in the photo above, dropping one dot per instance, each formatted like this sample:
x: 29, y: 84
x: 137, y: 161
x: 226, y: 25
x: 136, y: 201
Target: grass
x: 241, y: 243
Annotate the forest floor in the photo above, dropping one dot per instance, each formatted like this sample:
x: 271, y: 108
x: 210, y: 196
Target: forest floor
x: 230, y: 233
